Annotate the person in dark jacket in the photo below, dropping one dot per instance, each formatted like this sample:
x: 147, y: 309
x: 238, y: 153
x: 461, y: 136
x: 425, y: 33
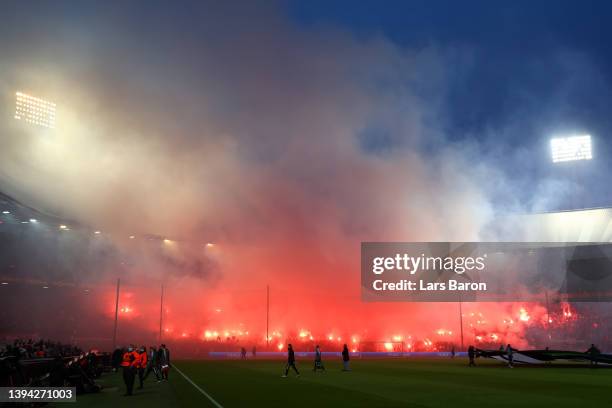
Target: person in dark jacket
x: 471, y: 356
x: 163, y: 358
x: 290, y: 361
x: 318, y: 362
x: 152, y: 364
x: 345, y: 359
x: 593, y: 352
x: 116, y: 359
x: 510, y: 355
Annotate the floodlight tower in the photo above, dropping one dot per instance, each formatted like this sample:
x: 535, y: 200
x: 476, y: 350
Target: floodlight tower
x: 34, y: 110
x: 571, y: 149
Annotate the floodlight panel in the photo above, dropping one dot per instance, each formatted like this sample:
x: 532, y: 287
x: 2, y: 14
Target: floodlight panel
x: 571, y: 148
x: 34, y: 110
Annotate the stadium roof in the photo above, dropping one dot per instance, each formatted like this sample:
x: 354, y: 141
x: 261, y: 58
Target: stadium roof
x: 584, y: 225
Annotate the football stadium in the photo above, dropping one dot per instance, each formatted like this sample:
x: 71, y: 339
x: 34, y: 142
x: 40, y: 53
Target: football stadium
x: 265, y: 204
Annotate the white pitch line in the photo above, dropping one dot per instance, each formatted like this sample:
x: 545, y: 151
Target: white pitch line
x: 197, y: 387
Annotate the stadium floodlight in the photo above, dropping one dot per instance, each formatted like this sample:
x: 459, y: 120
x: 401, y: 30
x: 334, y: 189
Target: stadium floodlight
x: 571, y: 148
x: 34, y: 110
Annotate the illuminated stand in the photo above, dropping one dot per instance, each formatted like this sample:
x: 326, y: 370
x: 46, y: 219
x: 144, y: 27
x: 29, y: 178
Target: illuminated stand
x: 34, y: 110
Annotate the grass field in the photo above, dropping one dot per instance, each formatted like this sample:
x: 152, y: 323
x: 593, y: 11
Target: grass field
x: 372, y: 383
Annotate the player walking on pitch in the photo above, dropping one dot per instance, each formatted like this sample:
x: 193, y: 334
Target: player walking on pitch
x: 290, y: 361
x: 345, y: 359
x: 471, y: 356
x: 510, y: 355
x: 318, y: 362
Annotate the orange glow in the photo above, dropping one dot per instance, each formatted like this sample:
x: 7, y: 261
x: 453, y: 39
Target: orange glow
x: 126, y: 309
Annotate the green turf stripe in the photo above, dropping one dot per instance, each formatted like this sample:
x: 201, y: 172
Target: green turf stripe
x: 197, y: 387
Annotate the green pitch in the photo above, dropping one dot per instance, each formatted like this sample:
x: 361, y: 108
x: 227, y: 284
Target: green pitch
x: 372, y: 383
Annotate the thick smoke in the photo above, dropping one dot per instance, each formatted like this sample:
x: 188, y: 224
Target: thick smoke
x: 282, y: 146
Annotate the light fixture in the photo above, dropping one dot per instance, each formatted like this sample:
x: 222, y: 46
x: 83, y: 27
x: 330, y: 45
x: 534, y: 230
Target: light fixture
x: 571, y: 148
x: 34, y: 110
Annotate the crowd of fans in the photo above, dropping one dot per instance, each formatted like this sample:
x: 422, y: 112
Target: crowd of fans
x: 46, y: 363
x: 28, y: 349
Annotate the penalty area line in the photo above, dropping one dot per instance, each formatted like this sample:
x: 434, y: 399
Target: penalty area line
x: 197, y: 387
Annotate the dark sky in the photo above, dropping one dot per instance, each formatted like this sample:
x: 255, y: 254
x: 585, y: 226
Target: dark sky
x: 507, y: 39
x: 544, y: 65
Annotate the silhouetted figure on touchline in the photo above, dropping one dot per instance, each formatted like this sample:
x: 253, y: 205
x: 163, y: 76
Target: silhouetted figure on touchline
x: 318, y: 362
x: 471, y: 356
x: 593, y: 352
x: 345, y: 359
x: 290, y: 361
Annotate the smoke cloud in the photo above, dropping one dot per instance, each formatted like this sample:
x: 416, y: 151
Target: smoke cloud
x: 282, y: 146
